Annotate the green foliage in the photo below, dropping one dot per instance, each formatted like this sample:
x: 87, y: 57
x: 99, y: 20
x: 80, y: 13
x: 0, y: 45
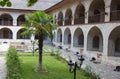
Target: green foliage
x: 58, y: 55
x: 56, y: 69
x: 13, y: 64
x: 5, y: 3
x: 40, y: 22
x: 90, y: 73
x: 9, y: 4
x: 31, y: 2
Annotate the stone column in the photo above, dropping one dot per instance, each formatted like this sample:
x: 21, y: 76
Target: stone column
x: 71, y: 40
x: 14, y: 35
x: 86, y: 17
x: 63, y: 17
x: 105, y: 46
x: 107, y: 14
x: 62, y: 37
x: 107, y: 10
x: 14, y: 22
x: 85, y: 43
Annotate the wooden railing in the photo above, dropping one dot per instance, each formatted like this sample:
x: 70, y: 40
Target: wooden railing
x: 80, y: 20
x: 60, y: 23
x: 96, y: 18
x: 6, y: 22
x: 19, y: 23
x: 115, y: 15
x: 68, y: 22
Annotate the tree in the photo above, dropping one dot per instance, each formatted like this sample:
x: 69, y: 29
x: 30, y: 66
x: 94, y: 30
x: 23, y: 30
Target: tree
x: 39, y: 23
x: 5, y: 3
x: 8, y: 3
x: 31, y: 2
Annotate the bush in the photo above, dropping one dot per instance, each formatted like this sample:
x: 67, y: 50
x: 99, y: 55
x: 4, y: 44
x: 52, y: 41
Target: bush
x: 13, y: 64
x: 90, y: 73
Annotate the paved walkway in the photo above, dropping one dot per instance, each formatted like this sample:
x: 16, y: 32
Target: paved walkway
x: 2, y: 68
x: 105, y: 71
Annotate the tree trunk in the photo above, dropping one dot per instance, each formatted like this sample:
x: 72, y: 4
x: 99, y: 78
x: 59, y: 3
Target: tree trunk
x: 40, y: 45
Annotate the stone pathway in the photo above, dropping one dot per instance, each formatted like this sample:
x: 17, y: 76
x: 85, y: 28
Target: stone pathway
x: 105, y: 71
x: 2, y: 68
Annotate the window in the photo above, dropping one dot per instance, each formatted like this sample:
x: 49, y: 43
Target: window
x: 117, y: 45
x: 96, y: 42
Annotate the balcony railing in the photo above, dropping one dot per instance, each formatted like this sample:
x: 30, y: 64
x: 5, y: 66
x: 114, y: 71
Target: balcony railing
x: 60, y: 23
x: 96, y: 18
x: 68, y: 22
x: 6, y: 22
x: 9, y: 36
x: 21, y: 22
x: 115, y: 15
x: 80, y: 20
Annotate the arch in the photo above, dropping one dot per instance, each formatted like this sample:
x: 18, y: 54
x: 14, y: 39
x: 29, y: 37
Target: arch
x: 59, y: 36
x: 67, y: 36
x: 60, y: 18
x: 21, y: 20
x: 6, y: 19
x: 68, y: 17
x: 117, y: 45
x: 78, y: 38
x: 115, y: 10
x: 95, y: 40
x: 6, y: 33
x: 79, y: 14
x: 114, y: 42
x: 20, y: 36
x: 96, y: 11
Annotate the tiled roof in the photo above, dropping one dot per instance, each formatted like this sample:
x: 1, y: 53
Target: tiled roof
x: 40, y: 5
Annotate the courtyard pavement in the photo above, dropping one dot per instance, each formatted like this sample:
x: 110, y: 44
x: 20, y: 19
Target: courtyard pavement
x: 2, y: 68
x: 105, y: 71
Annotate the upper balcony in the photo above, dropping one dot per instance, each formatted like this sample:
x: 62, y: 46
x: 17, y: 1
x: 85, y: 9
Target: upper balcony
x: 115, y: 15
x: 80, y: 20
x: 7, y: 20
x: 98, y: 18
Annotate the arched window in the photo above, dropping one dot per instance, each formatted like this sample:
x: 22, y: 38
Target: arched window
x: 60, y: 37
x: 81, y: 39
x: 96, y: 41
x: 6, y: 33
x: 21, y: 20
x: 115, y: 10
x: 68, y: 17
x: 117, y: 45
x: 60, y: 19
x: 20, y: 36
x: 96, y: 11
x: 6, y: 19
x: 79, y: 14
x: 69, y: 39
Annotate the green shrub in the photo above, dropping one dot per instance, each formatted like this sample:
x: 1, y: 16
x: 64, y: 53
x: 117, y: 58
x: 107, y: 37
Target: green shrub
x: 13, y: 64
x: 90, y: 73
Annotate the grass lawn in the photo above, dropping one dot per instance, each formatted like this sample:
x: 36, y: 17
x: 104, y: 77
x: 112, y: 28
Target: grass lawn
x: 56, y: 69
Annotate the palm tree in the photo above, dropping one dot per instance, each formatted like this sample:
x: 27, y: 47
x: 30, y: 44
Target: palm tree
x: 39, y: 23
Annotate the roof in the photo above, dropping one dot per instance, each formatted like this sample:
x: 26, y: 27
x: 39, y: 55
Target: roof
x: 58, y: 5
x: 40, y: 5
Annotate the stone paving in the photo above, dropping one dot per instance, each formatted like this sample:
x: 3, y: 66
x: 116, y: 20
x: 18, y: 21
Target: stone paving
x: 2, y: 68
x: 104, y: 70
